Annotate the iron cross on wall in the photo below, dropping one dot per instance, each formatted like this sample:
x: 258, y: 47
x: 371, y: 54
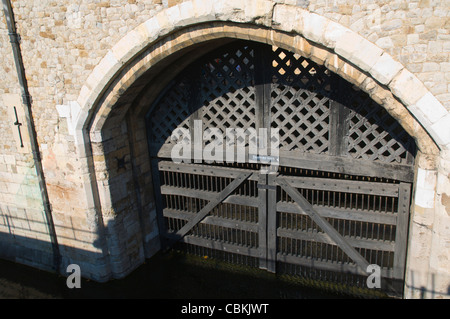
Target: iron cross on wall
x: 18, y: 126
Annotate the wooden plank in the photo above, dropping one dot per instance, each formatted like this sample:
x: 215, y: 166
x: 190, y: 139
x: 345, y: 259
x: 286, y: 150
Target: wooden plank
x: 205, y: 170
x: 271, y: 224
x: 328, y: 265
x: 207, y: 195
x: 285, y: 207
x: 215, y: 244
x: 338, y: 128
x: 213, y: 203
x: 322, y: 238
x: 346, y: 165
x: 401, y: 234
x: 345, y: 186
x: 213, y: 220
x: 262, y: 222
x: 261, y: 92
x: 328, y: 163
x: 324, y: 225
x: 318, y: 264
x: 353, y: 215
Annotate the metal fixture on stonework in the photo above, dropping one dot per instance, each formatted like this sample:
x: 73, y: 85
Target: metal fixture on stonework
x: 121, y: 163
x: 18, y: 126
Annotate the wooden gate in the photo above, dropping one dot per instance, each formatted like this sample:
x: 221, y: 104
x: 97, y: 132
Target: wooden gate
x: 340, y: 198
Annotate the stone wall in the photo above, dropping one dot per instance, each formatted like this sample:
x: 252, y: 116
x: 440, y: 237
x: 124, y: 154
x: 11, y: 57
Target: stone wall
x: 63, y: 44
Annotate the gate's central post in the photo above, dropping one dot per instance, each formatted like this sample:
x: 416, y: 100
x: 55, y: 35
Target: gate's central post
x: 267, y: 220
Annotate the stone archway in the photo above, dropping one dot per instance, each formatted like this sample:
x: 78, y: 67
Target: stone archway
x: 339, y: 49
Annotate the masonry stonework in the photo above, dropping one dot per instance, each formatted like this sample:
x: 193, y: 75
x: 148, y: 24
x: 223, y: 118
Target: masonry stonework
x: 86, y: 62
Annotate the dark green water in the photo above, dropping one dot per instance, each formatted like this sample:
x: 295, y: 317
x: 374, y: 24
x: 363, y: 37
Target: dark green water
x: 168, y: 276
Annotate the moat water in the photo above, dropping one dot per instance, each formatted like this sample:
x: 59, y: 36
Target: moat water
x: 165, y: 276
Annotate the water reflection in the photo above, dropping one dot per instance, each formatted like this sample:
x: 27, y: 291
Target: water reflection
x: 165, y: 276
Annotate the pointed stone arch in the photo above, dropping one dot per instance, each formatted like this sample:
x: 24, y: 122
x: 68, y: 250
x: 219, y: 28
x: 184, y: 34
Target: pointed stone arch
x: 323, y: 41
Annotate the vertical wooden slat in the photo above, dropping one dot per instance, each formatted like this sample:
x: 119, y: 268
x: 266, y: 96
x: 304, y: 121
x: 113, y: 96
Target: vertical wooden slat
x: 337, y: 129
x: 271, y: 223
x: 260, y: 83
x: 401, y: 234
x: 262, y: 221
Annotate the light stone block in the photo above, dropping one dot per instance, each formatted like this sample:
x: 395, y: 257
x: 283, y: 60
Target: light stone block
x: 407, y: 87
x: 431, y: 108
x: 230, y: 10
x: 313, y: 26
x: 426, y: 179
x: 334, y: 31
x: 358, y: 50
x: 440, y: 131
x: 128, y: 46
x: 385, y: 43
x: 425, y: 198
x: 164, y: 22
x: 203, y: 8
x: 385, y: 69
x: 258, y: 11
x: 287, y: 18
x: 187, y: 13
x: 107, y: 66
x: 173, y: 15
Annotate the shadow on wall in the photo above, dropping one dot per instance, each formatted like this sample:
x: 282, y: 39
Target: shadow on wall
x: 418, y: 291
x: 25, y: 239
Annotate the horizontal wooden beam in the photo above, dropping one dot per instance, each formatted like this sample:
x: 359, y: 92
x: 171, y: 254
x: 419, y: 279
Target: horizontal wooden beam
x: 347, y: 165
x: 328, y: 265
x: 344, y: 214
x: 213, y: 220
x: 344, y: 186
x: 322, y: 238
x: 325, y: 184
x: 216, y: 244
x: 327, y: 163
x: 285, y: 207
x: 205, y: 170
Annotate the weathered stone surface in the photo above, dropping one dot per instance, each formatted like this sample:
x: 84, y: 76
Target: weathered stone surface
x: 407, y: 87
x: 358, y: 50
x: 385, y: 68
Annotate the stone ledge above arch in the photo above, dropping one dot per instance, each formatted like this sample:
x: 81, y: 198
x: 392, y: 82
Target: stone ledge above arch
x: 324, y: 34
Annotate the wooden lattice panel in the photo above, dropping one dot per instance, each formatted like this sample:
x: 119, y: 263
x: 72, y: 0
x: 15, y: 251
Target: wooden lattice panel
x: 300, y: 105
x: 373, y: 134
x: 228, y: 91
x: 171, y: 113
